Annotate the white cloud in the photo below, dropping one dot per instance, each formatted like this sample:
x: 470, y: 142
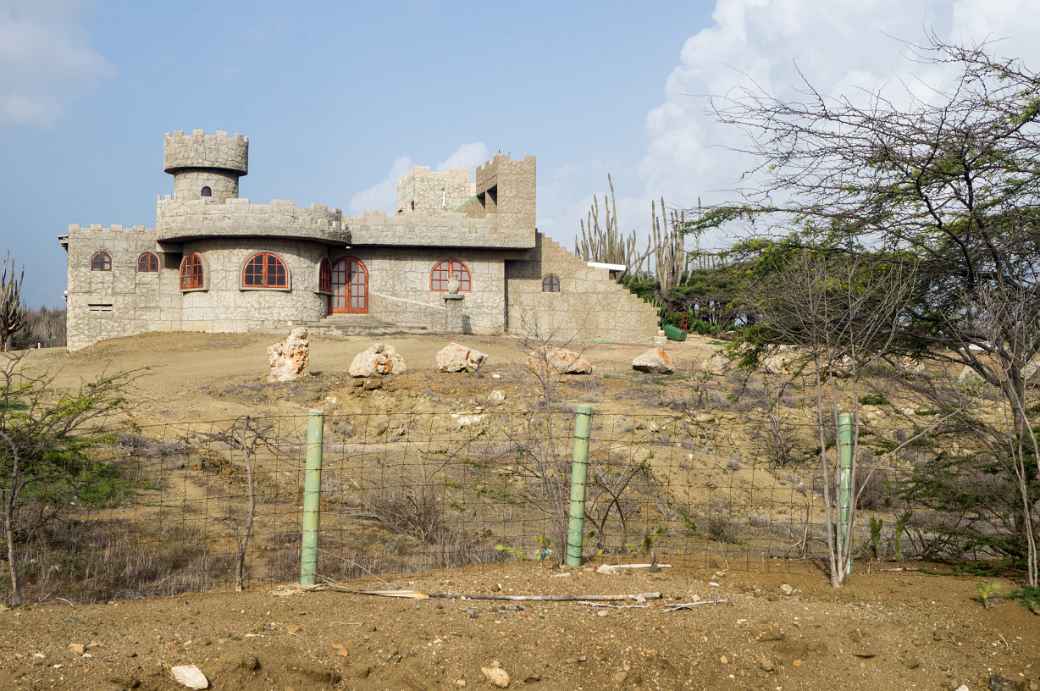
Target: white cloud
x: 45, y: 60
x: 841, y: 46
x: 382, y: 195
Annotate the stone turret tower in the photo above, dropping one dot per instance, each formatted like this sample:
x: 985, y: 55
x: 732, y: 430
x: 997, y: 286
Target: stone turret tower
x: 206, y: 166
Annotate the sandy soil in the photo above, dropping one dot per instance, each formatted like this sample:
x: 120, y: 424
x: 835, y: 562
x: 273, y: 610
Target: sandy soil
x: 886, y: 630
x: 183, y: 376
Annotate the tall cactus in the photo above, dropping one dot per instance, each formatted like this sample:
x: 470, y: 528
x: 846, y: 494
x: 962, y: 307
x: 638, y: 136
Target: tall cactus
x: 12, y: 310
x: 667, y: 245
x: 604, y: 243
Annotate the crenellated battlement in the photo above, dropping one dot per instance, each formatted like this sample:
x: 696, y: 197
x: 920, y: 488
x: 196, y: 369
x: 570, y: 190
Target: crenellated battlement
x: 179, y: 219
x: 114, y: 228
x: 218, y: 150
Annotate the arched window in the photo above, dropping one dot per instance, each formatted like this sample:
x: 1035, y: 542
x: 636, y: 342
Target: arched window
x: 265, y: 270
x: 147, y: 263
x: 101, y: 261
x: 206, y: 191
x: 444, y: 271
x: 551, y: 283
x: 191, y: 272
x: 325, y: 276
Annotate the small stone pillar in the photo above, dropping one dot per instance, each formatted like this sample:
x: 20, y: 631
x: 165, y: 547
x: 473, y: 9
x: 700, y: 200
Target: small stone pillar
x: 454, y: 312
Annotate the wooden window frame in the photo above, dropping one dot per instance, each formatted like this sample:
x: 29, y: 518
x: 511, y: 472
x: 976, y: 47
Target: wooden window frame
x: 439, y: 285
x: 198, y: 275
x: 551, y: 283
x: 267, y: 261
x: 324, y: 276
x: 148, y: 257
x: 106, y: 261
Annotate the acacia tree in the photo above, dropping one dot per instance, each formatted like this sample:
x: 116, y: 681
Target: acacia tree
x: 948, y: 183
x: 47, y: 437
x: 951, y: 184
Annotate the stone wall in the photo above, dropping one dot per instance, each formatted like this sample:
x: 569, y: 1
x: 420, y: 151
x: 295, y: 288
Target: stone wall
x: 188, y: 184
x: 225, y: 306
x: 399, y: 288
x: 200, y: 150
x: 120, y: 302
x: 590, y: 306
x: 177, y: 219
x: 422, y: 189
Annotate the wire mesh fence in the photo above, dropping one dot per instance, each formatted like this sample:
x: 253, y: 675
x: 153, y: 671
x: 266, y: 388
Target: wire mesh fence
x: 200, y: 505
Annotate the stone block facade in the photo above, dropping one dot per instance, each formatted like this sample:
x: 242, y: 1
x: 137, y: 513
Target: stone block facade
x: 218, y: 263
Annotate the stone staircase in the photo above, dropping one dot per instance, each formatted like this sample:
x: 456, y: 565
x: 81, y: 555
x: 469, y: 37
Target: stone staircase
x: 599, y: 277
x: 358, y: 325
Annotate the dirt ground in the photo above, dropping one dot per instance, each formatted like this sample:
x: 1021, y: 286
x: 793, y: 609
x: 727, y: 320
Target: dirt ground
x: 886, y: 630
x: 187, y: 376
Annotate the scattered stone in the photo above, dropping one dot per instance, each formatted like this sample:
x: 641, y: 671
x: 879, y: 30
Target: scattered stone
x: 1000, y: 683
x: 371, y: 383
x: 962, y: 687
x: 377, y: 360
x: 788, y: 589
x: 717, y: 364
x: 251, y: 663
x: 619, y: 677
x: 77, y: 648
x: 287, y: 360
x: 496, y: 675
x: 969, y: 376
x: 466, y: 419
x: 765, y: 663
x: 655, y: 361
x: 497, y: 396
x: 190, y: 676
x: 568, y: 362
x: 1031, y: 369
x: 455, y: 357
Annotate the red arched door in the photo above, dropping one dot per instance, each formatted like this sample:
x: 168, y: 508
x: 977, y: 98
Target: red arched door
x: 349, y: 286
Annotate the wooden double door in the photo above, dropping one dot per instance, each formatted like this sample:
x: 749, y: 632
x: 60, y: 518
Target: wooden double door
x: 349, y: 286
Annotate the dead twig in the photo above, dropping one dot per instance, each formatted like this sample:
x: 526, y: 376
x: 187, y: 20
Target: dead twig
x: 690, y: 605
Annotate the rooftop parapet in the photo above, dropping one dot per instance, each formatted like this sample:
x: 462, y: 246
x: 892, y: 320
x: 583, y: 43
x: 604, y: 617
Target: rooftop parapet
x: 180, y: 219
x: 200, y: 150
x: 114, y: 228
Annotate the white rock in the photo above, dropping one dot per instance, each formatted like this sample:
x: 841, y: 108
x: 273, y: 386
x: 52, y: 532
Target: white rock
x: 655, y: 360
x: 377, y: 360
x: 969, y: 376
x: 496, y: 675
x: 717, y: 364
x: 497, y: 396
x: 190, y: 676
x: 288, y: 360
x: 569, y: 362
x: 466, y: 419
x: 455, y: 357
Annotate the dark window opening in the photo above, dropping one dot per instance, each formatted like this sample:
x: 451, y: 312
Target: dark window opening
x: 148, y: 263
x: 101, y: 261
x: 206, y: 191
x: 325, y: 276
x: 551, y: 283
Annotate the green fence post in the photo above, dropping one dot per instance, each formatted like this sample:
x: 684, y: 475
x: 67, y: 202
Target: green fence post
x: 845, y: 484
x: 579, y: 473
x: 311, y: 497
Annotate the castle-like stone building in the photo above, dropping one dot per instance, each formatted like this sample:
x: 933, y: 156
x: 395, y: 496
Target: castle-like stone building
x: 457, y: 256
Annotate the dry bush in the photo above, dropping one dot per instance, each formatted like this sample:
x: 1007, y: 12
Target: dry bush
x: 96, y: 561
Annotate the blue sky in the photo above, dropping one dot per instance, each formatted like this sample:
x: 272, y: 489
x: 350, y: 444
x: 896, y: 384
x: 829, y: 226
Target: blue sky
x: 330, y: 95
x: 339, y: 97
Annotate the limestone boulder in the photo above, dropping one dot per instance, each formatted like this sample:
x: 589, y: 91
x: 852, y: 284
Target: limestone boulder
x: 288, y: 360
x: 718, y: 364
x: 378, y: 360
x: 1031, y: 370
x: 456, y: 357
x: 569, y: 362
x: 654, y: 361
